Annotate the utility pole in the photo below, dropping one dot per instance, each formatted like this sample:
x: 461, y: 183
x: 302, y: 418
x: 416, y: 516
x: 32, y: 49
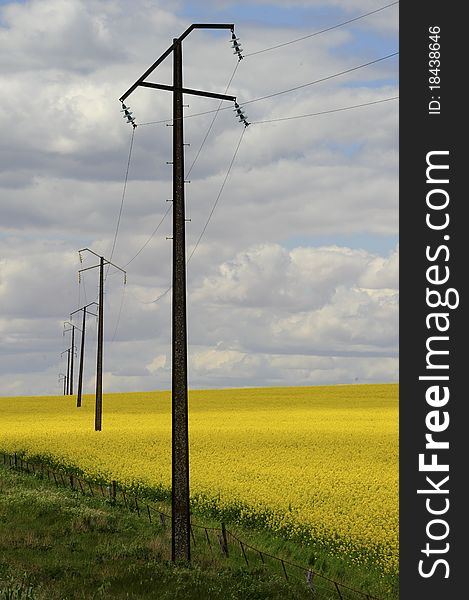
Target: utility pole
x: 63, y: 378
x: 82, y: 349
x: 72, y: 329
x: 99, y: 357
x: 180, y: 521
x: 67, y: 376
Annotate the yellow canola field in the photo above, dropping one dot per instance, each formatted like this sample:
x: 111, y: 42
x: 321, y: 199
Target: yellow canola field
x: 318, y: 463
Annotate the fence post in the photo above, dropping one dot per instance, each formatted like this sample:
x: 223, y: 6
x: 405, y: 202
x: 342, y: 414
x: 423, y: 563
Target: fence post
x: 71, y: 481
x: 16, y: 461
x: 113, y: 491
x: 224, y: 540
x: 149, y: 514
x: 208, y: 539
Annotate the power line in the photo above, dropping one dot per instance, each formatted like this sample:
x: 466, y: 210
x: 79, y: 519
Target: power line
x: 210, y: 214
x: 325, y: 112
x: 123, y: 197
x: 234, y: 157
x: 298, y: 87
x: 321, y: 30
x: 218, y: 196
x: 367, y: 64
x: 119, y: 314
x: 151, y: 236
x: 212, y: 123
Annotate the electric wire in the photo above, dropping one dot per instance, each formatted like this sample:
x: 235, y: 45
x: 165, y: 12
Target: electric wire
x: 372, y: 12
x: 325, y: 112
x: 217, y: 199
x: 298, y: 87
x: 122, y: 198
x: 218, y: 195
x: 211, y: 124
x: 234, y: 157
x: 356, y: 68
x: 213, y: 121
x: 119, y: 314
x: 151, y: 236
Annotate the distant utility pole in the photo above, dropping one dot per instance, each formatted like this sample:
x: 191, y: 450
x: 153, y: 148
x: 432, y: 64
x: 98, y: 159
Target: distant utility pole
x: 72, y: 329
x: 82, y: 349
x: 99, y: 359
x: 63, y: 378
x: 67, y: 376
x: 180, y: 439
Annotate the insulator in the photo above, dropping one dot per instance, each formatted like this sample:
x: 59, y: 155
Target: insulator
x: 125, y: 278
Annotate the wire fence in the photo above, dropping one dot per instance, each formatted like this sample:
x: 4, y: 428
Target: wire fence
x: 218, y: 540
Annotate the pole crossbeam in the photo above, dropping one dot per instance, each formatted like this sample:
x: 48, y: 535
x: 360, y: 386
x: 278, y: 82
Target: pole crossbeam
x: 171, y: 88
x: 180, y: 522
x: 167, y: 52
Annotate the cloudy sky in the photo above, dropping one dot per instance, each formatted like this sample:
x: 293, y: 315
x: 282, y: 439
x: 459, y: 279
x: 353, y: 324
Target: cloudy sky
x: 294, y: 280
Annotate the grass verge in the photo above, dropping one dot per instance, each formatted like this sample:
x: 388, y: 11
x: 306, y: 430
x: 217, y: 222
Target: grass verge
x: 59, y: 544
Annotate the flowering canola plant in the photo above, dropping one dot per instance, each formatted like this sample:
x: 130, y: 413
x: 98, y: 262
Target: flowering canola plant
x: 313, y: 463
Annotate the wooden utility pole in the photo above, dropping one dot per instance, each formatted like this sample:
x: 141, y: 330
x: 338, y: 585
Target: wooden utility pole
x: 99, y: 355
x: 71, y: 370
x: 82, y: 348
x: 180, y: 434
x: 63, y: 378
x: 67, y: 376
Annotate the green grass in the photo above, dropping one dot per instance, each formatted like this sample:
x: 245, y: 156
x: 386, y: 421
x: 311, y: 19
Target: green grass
x: 58, y: 544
